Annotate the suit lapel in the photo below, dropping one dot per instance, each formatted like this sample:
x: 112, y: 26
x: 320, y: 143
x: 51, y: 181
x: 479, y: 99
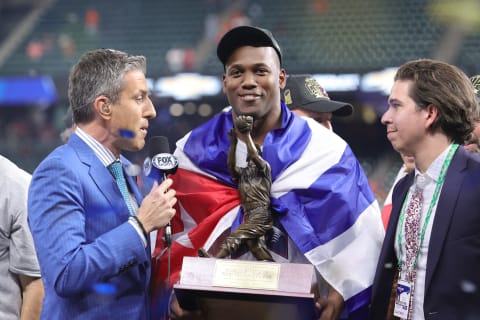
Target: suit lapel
x: 444, y: 212
x: 99, y: 174
x: 397, y: 203
x: 387, y: 263
x: 107, y: 186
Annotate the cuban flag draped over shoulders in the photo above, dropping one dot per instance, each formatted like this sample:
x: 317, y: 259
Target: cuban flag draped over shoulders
x: 319, y: 194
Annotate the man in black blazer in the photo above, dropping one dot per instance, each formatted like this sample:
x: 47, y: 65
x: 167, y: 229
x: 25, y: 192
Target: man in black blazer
x: 430, y: 269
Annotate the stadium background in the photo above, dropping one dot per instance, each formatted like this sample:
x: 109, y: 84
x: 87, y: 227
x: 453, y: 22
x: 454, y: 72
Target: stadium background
x: 351, y: 46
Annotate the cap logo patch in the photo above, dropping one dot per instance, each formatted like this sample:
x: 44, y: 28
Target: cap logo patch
x: 314, y: 89
x: 288, y: 97
x: 476, y: 84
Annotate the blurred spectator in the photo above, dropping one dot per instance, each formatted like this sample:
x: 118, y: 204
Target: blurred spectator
x: 320, y: 6
x: 179, y: 60
x: 34, y: 50
x: 473, y: 144
x: 233, y: 19
x: 188, y: 59
x: 67, y: 45
x: 255, y: 12
x: 174, y: 58
x: 37, y: 48
x: 92, y: 18
x: 211, y: 26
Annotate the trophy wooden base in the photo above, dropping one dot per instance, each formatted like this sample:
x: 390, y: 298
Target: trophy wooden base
x: 237, y: 289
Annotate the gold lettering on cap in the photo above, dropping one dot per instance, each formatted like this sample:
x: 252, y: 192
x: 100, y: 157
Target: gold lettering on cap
x: 315, y: 89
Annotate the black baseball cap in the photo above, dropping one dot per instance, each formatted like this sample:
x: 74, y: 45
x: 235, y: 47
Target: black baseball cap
x: 303, y: 91
x: 246, y: 36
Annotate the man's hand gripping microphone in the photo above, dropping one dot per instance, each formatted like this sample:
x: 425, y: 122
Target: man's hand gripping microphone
x: 158, y: 165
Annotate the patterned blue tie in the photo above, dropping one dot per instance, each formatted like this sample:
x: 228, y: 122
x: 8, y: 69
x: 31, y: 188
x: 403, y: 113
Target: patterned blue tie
x: 116, y: 169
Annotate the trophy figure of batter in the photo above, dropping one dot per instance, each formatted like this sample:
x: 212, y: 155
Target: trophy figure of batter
x: 254, y: 181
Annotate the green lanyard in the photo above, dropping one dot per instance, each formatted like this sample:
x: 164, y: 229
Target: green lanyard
x: 436, y: 193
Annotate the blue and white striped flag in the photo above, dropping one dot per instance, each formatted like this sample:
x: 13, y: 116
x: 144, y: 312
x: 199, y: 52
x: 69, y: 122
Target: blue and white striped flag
x: 320, y: 195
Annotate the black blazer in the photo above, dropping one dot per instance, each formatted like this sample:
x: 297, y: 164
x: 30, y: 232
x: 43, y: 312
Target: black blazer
x: 452, y: 284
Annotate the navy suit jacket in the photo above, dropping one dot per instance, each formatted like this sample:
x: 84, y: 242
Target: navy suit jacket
x: 452, y: 284
x: 93, y: 261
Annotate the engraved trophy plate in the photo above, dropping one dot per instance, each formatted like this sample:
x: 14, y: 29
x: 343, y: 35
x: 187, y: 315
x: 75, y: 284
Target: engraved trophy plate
x: 244, y: 274
x: 246, y: 289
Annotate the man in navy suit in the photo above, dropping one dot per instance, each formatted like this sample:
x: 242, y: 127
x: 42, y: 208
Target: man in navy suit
x: 92, y: 240
x: 430, y: 260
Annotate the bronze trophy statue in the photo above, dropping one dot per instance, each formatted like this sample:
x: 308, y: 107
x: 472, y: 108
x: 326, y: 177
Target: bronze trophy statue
x: 254, y: 184
x: 280, y: 290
